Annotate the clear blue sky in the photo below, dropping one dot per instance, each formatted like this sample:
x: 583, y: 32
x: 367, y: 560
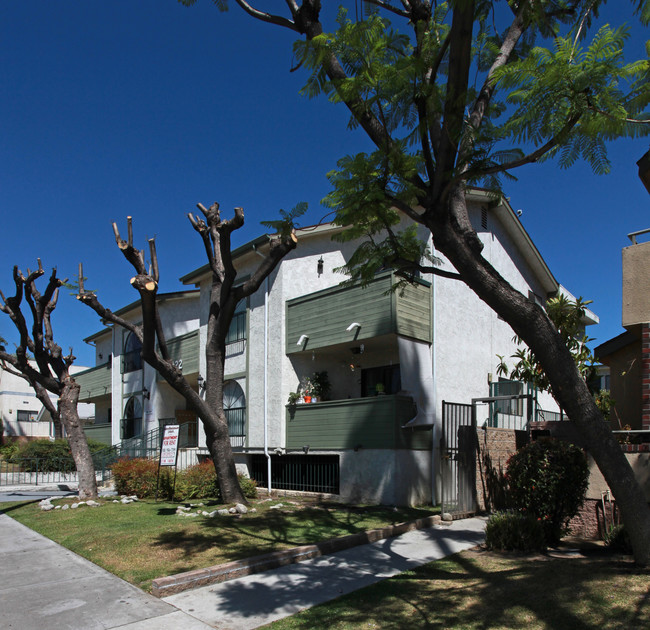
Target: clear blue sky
x: 145, y: 107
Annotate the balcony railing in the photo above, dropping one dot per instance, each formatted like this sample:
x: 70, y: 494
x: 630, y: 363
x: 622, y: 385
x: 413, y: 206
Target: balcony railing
x: 357, y: 423
x: 324, y: 318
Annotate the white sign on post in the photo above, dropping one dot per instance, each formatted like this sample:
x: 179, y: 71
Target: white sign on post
x: 169, y: 447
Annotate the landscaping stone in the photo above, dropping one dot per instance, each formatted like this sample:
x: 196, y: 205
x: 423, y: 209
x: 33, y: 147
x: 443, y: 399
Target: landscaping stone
x: 241, y: 508
x: 92, y: 503
x: 74, y: 506
x: 65, y: 507
x: 232, y: 510
x: 447, y: 517
x: 276, y: 507
x: 223, y: 512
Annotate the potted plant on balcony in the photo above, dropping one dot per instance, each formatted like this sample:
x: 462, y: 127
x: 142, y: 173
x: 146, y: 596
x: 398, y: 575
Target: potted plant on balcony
x: 306, y: 388
x: 320, y: 385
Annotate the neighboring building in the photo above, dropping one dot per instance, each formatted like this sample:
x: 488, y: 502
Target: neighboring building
x: 628, y: 354
x: 22, y: 414
x: 392, y: 358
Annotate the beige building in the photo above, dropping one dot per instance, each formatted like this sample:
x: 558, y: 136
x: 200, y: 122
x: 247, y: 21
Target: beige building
x: 628, y: 354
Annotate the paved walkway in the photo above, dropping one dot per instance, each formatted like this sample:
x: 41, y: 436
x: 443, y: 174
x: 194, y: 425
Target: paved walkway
x: 47, y: 586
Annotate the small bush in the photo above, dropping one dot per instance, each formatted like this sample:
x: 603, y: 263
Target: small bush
x: 514, y: 531
x: 617, y: 538
x: 47, y: 455
x: 548, y: 480
x: 197, y: 482
x: 138, y: 476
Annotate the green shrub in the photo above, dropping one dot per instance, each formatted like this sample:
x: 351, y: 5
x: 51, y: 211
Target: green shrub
x: 617, y: 538
x: 9, y: 450
x: 138, y: 476
x: 48, y: 455
x: 197, y: 482
x: 548, y: 480
x: 514, y: 531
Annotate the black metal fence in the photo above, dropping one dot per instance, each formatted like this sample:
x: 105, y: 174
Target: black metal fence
x: 302, y: 473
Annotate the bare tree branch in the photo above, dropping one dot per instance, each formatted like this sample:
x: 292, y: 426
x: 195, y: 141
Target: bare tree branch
x: 278, y: 20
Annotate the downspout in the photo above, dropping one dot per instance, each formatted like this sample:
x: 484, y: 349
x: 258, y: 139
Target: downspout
x: 434, y: 430
x: 266, y: 380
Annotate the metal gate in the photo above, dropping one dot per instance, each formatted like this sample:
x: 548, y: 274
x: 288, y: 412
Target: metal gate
x: 458, y: 446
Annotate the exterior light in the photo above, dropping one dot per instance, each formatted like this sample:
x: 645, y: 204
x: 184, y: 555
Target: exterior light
x: 320, y: 266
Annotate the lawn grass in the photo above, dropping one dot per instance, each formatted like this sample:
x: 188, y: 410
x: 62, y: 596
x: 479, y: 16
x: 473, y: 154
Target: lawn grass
x: 475, y: 590
x: 145, y: 540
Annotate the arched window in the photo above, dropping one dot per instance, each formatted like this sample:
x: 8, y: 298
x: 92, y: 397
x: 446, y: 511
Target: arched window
x: 132, y: 420
x: 234, y: 406
x: 132, y: 357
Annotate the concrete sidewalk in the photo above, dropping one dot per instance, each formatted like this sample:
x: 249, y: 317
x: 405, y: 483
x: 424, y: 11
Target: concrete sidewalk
x: 256, y: 600
x: 47, y: 586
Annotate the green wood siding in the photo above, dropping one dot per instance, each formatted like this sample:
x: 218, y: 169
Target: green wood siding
x: 185, y: 348
x: 413, y: 306
x: 345, y: 424
x: 95, y: 382
x: 99, y: 433
x: 325, y: 315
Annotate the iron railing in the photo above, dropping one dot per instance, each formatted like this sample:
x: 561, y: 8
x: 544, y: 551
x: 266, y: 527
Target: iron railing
x: 301, y: 473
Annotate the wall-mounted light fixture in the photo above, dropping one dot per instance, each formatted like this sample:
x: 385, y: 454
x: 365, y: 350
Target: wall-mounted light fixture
x: 201, y: 382
x: 320, y: 266
x: 146, y: 393
x: 305, y: 449
x: 101, y: 356
x: 303, y: 340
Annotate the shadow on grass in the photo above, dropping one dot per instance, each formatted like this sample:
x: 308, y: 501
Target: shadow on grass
x: 245, y: 536
x: 478, y: 591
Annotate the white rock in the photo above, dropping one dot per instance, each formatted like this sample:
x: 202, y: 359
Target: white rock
x: 223, y: 512
x: 74, y: 506
x: 57, y: 507
x: 92, y: 503
x: 115, y: 501
x: 276, y: 507
x: 232, y: 510
x: 213, y: 514
x: 241, y: 508
x: 253, y: 510
x: 125, y: 500
x: 47, y: 507
x: 65, y: 507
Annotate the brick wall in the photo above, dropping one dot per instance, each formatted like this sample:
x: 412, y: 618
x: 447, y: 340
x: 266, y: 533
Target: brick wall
x: 589, y: 522
x: 495, y: 446
x: 645, y: 376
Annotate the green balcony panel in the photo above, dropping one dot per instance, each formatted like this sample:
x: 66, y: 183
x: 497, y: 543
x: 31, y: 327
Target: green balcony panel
x: 369, y: 423
x: 184, y: 351
x: 94, y: 383
x: 325, y: 315
x: 99, y: 433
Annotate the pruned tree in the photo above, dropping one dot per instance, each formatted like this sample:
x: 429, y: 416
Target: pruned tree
x: 41, y: 362
x: 465, y: 92
x: 225, y: 294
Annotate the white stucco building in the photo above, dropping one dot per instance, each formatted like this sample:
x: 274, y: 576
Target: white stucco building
x: 391, y: 358
x: 22, y: 414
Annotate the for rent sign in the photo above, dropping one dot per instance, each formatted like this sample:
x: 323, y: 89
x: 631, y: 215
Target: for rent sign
x: 169, y: 447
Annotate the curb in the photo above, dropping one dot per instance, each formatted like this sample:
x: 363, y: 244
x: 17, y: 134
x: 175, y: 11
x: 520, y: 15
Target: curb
x: 173, y: 584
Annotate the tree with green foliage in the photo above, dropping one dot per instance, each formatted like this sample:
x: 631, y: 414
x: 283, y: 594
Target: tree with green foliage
x: 462, y: 93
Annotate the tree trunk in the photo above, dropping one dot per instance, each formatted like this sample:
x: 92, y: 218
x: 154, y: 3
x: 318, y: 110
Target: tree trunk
x: 77, y: 439
x: 216, y: 430
x: 462, y: 247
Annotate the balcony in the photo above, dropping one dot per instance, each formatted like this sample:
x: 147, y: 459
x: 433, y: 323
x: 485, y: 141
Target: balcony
x: 369, y: 423
x: 184, y: 352
x: 95, y: 382
x: 323, y: 318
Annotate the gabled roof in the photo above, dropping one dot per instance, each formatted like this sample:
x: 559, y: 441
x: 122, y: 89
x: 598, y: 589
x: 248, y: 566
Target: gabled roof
x: 133, y: 306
